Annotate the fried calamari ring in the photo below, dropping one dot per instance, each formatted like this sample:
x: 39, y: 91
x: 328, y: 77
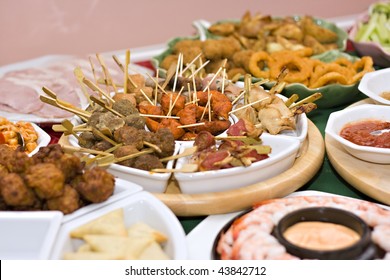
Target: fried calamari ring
x: 330, y: 78
x: 299, y: 71
x: 258, y: 64
x: 324, y: 68
x: 362, y: 66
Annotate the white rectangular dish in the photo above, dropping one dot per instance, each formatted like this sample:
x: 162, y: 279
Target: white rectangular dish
x: 140, y: 207
x: 28, y: 235
x: 43, y: 138
x: 282, y: 157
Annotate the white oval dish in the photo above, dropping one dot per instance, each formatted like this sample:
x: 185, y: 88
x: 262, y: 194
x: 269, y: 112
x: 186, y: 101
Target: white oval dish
x: 282, y: 157
x: 375, y: 83
x: 140, y: 207
x: 337, y: 120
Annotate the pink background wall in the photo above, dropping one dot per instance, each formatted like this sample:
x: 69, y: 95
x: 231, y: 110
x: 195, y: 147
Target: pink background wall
x: 30, y: 29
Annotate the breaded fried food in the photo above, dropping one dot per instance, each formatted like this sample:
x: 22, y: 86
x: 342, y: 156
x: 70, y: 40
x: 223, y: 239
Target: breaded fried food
x: 320, y: 33
x: 96, y: 185
x: 15, y: 192
x: 67, y: 203
x: 222, y: 29
x: 46, y: 179
x: 220, y: 49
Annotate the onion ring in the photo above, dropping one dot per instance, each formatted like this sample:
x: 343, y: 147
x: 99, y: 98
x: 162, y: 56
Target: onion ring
x: 254, y: 64
x: 299, y: 71
x: 362, y: 66
x: 329, y: 78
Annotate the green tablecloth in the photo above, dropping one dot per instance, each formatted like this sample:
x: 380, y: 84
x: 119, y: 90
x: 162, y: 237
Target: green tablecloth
x: 326, y: 180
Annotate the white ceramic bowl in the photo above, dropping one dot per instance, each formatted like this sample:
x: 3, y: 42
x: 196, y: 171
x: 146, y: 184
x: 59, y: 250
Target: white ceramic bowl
x: 140, y: 207
x: 28, y: 235
x: 152, y: 182
x: 300, y: 133
x: 282, y: 157
x: 375, y: 83
x: 338, y: 120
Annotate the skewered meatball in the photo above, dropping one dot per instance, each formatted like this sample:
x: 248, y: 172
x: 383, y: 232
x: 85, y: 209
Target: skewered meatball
x: 101, y: 145
x: 125, y: 107
x: 46, y: 179
x: 87, y: 139
x: 67, y: 203
x: 15, y: 192
x: 165, y: 141
x: 124, y: 151
x: 135, y: 120
x: 147, y: 162
x: 129, y: 135
x: 96, y: 185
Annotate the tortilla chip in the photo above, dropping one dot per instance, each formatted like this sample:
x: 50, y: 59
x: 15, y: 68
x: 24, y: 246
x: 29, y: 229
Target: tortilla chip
x: 111, y: 223
x: 92, y: 256
x: 154, y: 252
x: 141, y: 229
x: 131, y: 248
x: 84, y: 248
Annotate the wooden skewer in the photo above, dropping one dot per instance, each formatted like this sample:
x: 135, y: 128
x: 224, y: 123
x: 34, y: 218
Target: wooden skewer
x: 309, y: 99
x: 94, y: 87
x: 212, y: 79
x: 53, y: 95
x: 83, y: 150
x: 179, y: 61
x: 200, y: 68
x: 83, y: 115
x: 159, y: 116
x: 79, y: 77
x: 174, y: 102
x: 126, y: 72
x: 104, y: 105
x: 186, y: 168
x: 103, y: 136
x: 191, y: 125
x: 106, y: 72
x: 156, y: 83
x: 156, y: 87
x: 186, y: 152
x: 111, y: 158
x: 170, y: 73
x: 238, y: 97
x: 61, y: 128
x: 153, y: 146
x: 248, y: 105
x: 147, y: 98
x: 123, y: 69
x: 93, y: 69
x: 291, y: 100
x: 190, y: 64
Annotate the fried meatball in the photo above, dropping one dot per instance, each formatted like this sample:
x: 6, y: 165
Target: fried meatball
x: 129, y: 135
x: 70, y: 165
x: 124, y: 107
x: 15, y: 192
x: 17, y: 161
x: 101, y: 146
x: 67, y: 203
x: 135, y: 120
x: 87, y: 139
x: 124, y: 151
x: 6, y: 154
x: 49, y: 153
x: 147, y: 162
x: 96, y: 185
x: 46, y: 179
x: 3, y: 170
x: 165, y: 141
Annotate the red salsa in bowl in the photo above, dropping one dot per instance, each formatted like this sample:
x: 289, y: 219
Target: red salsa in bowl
x: 360, y: 133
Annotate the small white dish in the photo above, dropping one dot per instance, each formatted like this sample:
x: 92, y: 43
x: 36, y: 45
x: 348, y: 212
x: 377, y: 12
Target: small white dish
x: 282, y: 157
x: 373, y: 84
x: 150, y: 181
x: 140, y: 207
x: 28, y: 235
x: 43, y: 139
x: 337, y: 120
